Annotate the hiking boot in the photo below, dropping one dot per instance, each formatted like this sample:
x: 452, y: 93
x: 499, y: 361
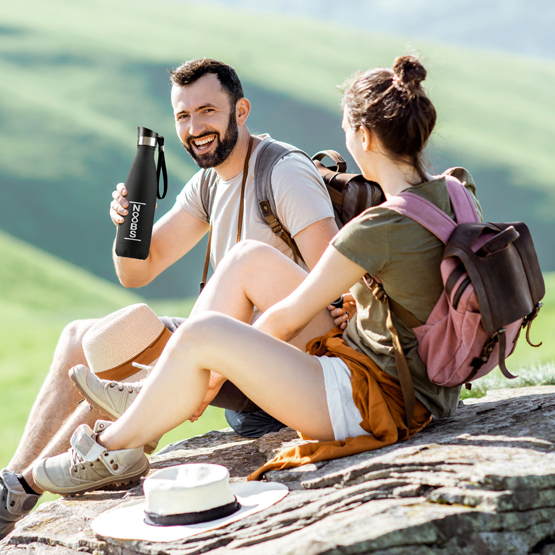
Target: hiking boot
x: 108, y: 397
x: 15, y: 502
x: 88, y: 466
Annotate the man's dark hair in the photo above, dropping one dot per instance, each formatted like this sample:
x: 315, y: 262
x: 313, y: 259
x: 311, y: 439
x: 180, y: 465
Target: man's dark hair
x: 191, y: 71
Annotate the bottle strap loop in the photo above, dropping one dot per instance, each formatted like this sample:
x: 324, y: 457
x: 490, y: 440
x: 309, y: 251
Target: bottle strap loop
x: 161, y: 167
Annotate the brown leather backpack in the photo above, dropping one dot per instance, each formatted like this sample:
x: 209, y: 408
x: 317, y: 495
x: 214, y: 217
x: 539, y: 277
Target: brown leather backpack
x: 351, y: 194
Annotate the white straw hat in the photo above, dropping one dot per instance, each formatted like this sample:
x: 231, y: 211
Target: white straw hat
x: 184, y: 500
x: 132, y: 334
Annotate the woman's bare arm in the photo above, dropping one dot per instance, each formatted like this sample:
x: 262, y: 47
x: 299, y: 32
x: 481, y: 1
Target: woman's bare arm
x: 333, y: 275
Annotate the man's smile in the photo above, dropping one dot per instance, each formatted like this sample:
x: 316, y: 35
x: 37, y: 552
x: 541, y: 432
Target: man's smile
x: 203, y: 144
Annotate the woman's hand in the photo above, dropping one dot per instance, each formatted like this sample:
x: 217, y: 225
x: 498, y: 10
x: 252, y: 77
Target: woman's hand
x: 214, y: 386
x: 341, y: 316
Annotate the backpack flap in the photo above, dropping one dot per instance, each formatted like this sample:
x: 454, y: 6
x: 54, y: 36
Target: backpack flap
x: 491, y: 255
x: 350, y: 193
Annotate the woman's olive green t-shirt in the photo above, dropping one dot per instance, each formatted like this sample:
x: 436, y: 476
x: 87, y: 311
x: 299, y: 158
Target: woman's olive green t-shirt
x: 406, y: 258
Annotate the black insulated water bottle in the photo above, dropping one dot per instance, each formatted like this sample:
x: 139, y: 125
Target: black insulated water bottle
x: 134, y: 234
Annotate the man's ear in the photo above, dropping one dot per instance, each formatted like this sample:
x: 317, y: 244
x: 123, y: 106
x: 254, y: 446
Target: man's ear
x: 242, y: 111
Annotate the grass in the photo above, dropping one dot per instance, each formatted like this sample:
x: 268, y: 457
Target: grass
x: 535, y: 374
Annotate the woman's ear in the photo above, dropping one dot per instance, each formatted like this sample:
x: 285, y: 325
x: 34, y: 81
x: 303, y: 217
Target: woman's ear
x: 367, y: 139
x: 242, y: 111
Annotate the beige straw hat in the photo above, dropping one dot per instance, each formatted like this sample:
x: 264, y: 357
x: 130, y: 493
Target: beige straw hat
x: 184, y: 500
x: 132, y: 334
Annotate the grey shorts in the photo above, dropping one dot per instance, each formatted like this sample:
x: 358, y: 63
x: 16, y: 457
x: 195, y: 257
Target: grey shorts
x: 229, y: 396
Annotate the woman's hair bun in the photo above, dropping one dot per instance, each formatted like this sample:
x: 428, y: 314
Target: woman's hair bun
x: 410, y: 71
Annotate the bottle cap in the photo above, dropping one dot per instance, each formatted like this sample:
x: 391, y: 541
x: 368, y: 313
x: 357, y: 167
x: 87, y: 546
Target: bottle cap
x: 147, y: 137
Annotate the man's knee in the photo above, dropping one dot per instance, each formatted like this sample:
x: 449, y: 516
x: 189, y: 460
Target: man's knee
x: 72, y: 334
x: 69, y: 350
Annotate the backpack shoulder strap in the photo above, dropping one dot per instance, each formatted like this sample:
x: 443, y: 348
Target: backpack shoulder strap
x: 208, y: 190
x: 428, y: 215
x: 424, y: 212
x: 461, y: 201
x: 269, y: 154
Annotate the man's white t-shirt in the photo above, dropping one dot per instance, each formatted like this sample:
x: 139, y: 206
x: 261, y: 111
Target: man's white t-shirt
x: 300, y: 195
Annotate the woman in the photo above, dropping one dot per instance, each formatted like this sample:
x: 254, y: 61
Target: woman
x: 347, y: 396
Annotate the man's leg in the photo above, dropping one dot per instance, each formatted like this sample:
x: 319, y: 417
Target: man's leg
x: 57, y: 398
x: 45, y: 432
x: 252, y: 424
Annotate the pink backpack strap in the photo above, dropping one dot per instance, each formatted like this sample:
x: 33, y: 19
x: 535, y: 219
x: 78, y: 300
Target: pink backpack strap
x: 461, y: 201
x: 428, y: 215
x: 424, y: 212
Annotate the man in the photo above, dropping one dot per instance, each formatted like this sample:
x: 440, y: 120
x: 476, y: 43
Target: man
x: 211, y: 122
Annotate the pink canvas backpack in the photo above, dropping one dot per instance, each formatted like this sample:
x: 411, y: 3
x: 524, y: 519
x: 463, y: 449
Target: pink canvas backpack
x: 492, y: 289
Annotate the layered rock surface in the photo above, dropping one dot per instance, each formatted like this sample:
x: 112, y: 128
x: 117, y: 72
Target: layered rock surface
x: 482, y: 482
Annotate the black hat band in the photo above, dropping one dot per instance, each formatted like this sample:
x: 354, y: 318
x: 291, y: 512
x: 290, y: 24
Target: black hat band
x: 154, y: 519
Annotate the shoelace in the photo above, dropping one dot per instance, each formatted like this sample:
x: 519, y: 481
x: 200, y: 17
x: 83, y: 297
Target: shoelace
x: 4, y: 496
x: 76, y: 460
x: 132, y: 387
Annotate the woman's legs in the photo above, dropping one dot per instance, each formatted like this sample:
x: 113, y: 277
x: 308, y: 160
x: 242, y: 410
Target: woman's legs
x: 281, y: 379
x: 255, y: 274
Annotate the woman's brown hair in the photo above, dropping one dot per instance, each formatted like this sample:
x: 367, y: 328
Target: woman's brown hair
x: 393, y: 104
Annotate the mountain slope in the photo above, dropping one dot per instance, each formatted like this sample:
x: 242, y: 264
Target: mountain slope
x: 32, y: 281
x: 77, y: 83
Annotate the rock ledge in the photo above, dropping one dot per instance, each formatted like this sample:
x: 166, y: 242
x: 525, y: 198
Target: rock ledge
x: 482, y: 482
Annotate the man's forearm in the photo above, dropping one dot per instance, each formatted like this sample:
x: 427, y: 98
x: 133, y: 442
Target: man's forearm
x: 131, y: 272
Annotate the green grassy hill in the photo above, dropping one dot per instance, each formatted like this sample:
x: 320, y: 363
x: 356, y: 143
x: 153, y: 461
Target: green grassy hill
x: 78, y: 78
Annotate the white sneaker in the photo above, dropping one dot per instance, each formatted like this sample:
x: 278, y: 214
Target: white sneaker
x: 88, y: 466
x: 108, y: 397
x: 15, y: 502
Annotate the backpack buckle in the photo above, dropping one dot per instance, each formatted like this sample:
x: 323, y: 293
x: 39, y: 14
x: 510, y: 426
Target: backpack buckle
x: 375, y: 288
x: 478, y: 362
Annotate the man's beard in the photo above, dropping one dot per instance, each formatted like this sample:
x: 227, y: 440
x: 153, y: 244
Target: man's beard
x: 222, y: 151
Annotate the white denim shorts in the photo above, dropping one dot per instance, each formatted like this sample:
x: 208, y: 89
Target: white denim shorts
x: 344, y: 415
